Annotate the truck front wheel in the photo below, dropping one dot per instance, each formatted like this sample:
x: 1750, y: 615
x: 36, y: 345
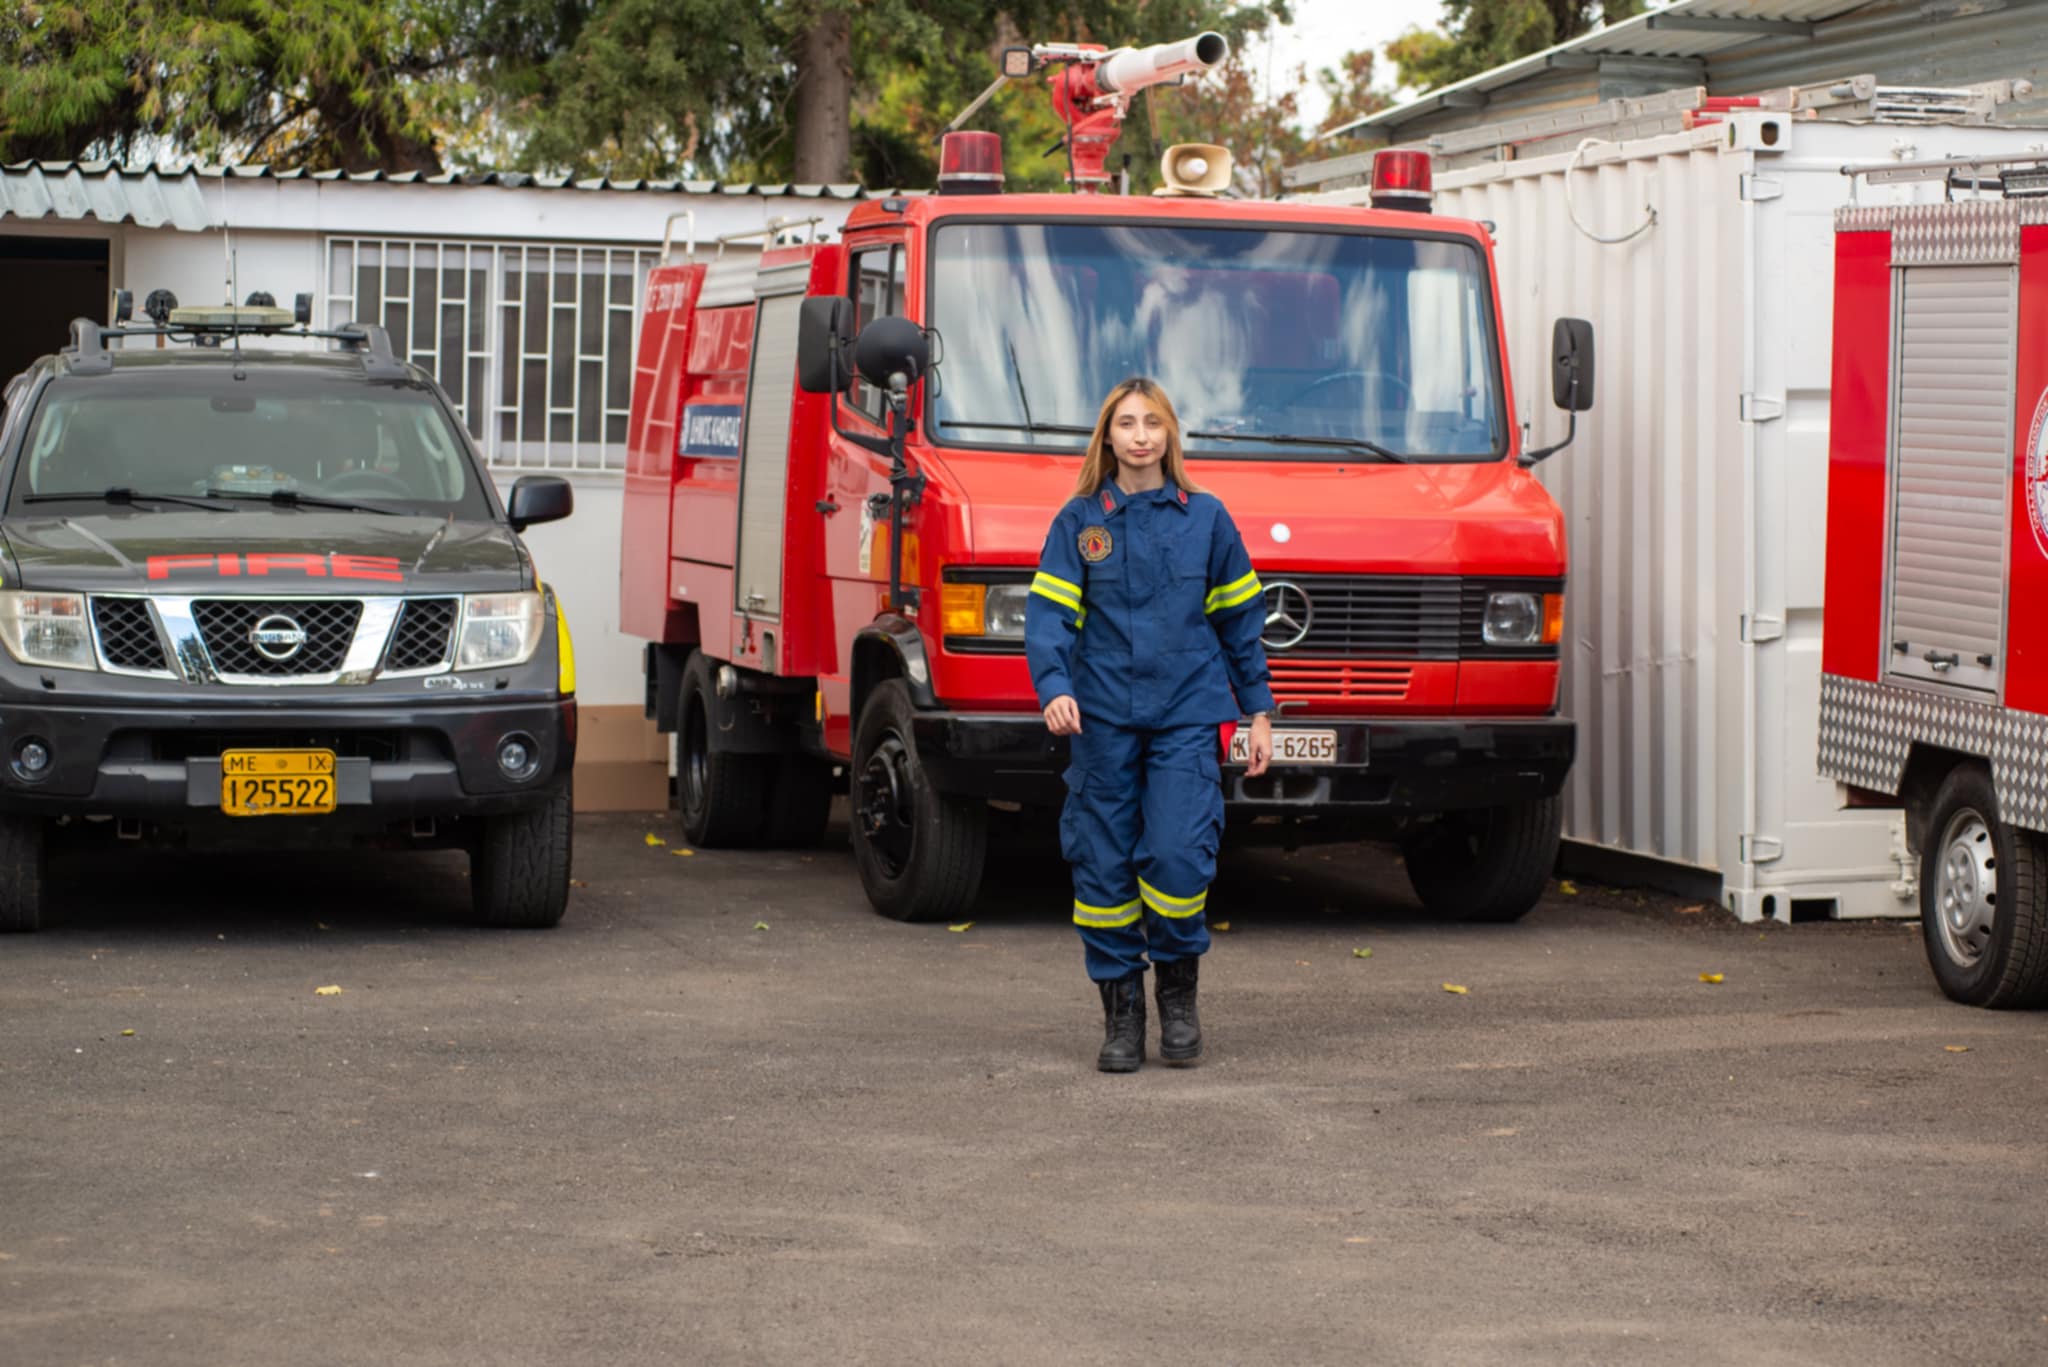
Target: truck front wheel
x: 920, y: 851
x: 1488, y: 864
x: 1983, y: 898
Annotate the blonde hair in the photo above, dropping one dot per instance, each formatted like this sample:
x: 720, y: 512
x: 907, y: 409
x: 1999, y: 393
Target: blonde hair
x: 1098, y: 467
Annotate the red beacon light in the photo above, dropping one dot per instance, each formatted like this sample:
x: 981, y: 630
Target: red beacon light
x: 1401, y: 180
x: 971, y: 164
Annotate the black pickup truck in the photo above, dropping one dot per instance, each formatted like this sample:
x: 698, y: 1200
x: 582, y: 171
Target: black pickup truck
x: 262, y: 598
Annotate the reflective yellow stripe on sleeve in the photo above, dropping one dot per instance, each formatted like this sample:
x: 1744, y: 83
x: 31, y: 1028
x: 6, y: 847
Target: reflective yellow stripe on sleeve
x: 1108, y: 918
x: 1174, y: 908
x: 1058, y: 590
x: 1232, y: 594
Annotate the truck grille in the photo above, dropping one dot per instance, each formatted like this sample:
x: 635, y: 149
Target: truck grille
x: 422, y: 638
x: 1401, y: 616
x: 1339, y: 681
x: 226, y: 624
x: 128, y: 638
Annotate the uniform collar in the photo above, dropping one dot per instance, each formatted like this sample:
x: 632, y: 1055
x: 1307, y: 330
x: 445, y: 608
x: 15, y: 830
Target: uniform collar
x: 1111, y: 498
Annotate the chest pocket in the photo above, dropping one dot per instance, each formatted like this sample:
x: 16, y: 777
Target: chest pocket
x: 1188, y: 552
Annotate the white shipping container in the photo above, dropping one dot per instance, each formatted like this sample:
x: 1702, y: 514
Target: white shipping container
x: 1696, y: 491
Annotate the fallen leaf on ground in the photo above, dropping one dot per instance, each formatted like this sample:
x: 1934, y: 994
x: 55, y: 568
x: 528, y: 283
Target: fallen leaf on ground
x: 322, y: 925
x: 1361, y: 954
x: 328, y: 991
x: 1453, y: 987
x: 653, y: 840
x: 1711, y: 977
x: 683, y: 854
x: 1504, y: 1132
x: 964, y: 925
x: 126, y: 1034
x: 1301, y: 963
x: 1956, y: 1048
x: 760, y: 925
x: 578, y: 883
x: 1221, y: 925
x: 1693, y: 910
x: 1568, y: 887
x: 1359, y: 1239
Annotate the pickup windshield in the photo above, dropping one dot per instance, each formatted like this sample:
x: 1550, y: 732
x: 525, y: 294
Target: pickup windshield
x: 1361, y: 337
x: 292, y: 436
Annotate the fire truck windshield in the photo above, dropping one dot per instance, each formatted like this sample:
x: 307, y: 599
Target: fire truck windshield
x: 1375, y: 340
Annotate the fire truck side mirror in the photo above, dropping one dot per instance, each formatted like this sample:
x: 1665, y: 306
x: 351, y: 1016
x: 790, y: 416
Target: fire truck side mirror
x: 822, y: 330
x: 891, y: 346
x: 1571, y: 364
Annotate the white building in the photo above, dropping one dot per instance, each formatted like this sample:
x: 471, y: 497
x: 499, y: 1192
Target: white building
x: 521, y: 294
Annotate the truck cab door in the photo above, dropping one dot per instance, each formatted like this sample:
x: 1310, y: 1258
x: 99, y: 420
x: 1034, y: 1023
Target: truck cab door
x: 857, y: 550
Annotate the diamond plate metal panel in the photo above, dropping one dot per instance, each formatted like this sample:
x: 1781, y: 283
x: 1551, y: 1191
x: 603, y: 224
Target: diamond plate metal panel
x: 1867, y: 730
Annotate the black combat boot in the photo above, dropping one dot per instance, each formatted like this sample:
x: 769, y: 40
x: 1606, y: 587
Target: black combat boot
x: 1123, y: 1025
x: 1180, y: 1029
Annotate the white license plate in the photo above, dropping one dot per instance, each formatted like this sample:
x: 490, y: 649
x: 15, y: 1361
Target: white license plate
x: 1289, y: 746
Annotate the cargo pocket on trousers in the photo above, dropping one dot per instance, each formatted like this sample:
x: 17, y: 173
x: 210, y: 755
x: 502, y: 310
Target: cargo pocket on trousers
x: 1071, y: 815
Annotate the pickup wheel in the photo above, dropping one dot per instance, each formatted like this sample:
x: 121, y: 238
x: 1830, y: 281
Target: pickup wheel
x: 919, y: 851
x: 723, y: 796
x: 519, y: 869
x: 799, y: 802
x: 24, y: 860
x: 1983, y: 898
x: 1488, y: 864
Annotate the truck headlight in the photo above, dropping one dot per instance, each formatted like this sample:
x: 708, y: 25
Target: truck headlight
x: 47, y: 629
x: 994, y: 611
x: 499, y: 629
x: 1523, y: 619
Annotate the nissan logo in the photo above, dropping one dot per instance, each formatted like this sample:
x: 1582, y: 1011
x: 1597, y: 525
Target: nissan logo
x: 1288, y: 616
x: 277, y: 637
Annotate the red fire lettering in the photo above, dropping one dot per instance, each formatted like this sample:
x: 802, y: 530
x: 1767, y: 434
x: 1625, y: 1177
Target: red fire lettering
x: 310, y: 565
x: 368, y: 567
x: 230, y: 564
x: 160, y: 566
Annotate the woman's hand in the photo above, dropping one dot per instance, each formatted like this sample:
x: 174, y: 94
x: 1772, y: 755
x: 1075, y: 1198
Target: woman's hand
x: 1063, y: 717
x: 1260, y: 747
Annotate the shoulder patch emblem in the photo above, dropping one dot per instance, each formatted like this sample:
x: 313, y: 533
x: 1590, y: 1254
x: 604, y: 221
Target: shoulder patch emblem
x: 1096, y: 544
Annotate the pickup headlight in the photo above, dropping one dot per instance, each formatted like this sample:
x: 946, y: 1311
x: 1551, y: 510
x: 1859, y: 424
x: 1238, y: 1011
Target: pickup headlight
x: 47, y: 629
x: 994, y: 611
x: 1523, y: 619
x: 499, y: 629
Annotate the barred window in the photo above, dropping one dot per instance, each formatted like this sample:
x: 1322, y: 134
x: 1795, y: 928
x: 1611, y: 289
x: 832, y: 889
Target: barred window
x: 534, y: 343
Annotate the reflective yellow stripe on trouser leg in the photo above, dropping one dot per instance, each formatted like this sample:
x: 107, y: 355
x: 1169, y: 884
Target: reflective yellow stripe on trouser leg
x: 1108, y: 918
x: 1176, y: 908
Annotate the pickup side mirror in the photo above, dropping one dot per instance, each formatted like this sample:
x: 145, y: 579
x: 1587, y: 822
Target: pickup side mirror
x: 540, y: 498
x: 822, y: 329
x: 1571, y: 364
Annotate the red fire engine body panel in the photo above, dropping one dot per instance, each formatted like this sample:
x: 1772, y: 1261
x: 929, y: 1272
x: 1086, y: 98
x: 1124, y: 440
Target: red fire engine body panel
x: 2026, y: 676
x: 990, y: 509
x: 1853, y: 645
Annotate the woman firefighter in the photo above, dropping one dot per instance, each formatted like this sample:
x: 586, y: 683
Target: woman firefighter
x: 1142, y: 632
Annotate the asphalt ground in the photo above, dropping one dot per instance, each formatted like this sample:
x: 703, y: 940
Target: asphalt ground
x: 725, y: 1114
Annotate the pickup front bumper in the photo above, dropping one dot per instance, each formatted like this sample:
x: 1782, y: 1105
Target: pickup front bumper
x: 1393, y: 767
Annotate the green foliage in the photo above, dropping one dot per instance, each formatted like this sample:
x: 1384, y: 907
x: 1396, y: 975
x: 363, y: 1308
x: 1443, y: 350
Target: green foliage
x: 348, y: 83
x: 1478, y: 35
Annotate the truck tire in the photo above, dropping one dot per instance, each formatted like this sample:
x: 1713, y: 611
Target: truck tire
x: 722, y: 796
x: 919, y: 851
x: 519, y: 869
x: 1488, y: 864
x: 1983, y: 898
x: 24, y: 860
x: 799, y: 802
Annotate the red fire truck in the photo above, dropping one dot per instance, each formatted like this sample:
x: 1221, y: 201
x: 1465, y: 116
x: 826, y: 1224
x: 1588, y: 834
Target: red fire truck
x: 844, y: 457
x: 1934, y: 688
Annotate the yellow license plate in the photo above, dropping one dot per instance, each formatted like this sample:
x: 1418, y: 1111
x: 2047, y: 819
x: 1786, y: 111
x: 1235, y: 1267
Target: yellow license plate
x: 276, y: 782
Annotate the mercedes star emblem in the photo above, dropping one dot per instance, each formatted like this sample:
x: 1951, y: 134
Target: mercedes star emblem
x: 277, y: 637
x: 1288, y: 615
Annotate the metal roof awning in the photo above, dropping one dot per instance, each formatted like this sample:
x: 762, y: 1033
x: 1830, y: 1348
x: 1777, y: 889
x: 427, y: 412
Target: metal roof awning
x: 189, y: 198
x: 1680, y: 35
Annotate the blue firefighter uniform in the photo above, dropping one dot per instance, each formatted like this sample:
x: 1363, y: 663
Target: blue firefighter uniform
x: 1147, y: 611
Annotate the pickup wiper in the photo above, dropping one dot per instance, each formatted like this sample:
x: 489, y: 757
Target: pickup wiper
x: 1371, y: 448
x: 122, y: 496
x: 1062, y: 427
x: 292, y: 498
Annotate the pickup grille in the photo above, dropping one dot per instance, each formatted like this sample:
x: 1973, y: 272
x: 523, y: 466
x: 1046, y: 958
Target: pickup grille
x: 422, y: 638
x: 225, y: 625
x: 128, y: 638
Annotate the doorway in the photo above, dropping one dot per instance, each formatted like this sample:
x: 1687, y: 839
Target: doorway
x: 47, y: 281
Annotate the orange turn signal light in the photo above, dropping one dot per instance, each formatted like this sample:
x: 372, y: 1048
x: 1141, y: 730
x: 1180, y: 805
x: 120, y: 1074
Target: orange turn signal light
x: 1553, y: 618
x: 963, y: 609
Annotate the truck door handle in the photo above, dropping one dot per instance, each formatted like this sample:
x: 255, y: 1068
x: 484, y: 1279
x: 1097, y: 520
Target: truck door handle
x: 1942, y: 663
x: 826, y: 506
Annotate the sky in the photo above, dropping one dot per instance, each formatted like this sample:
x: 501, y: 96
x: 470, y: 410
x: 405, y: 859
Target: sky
x: 1324, y: 30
